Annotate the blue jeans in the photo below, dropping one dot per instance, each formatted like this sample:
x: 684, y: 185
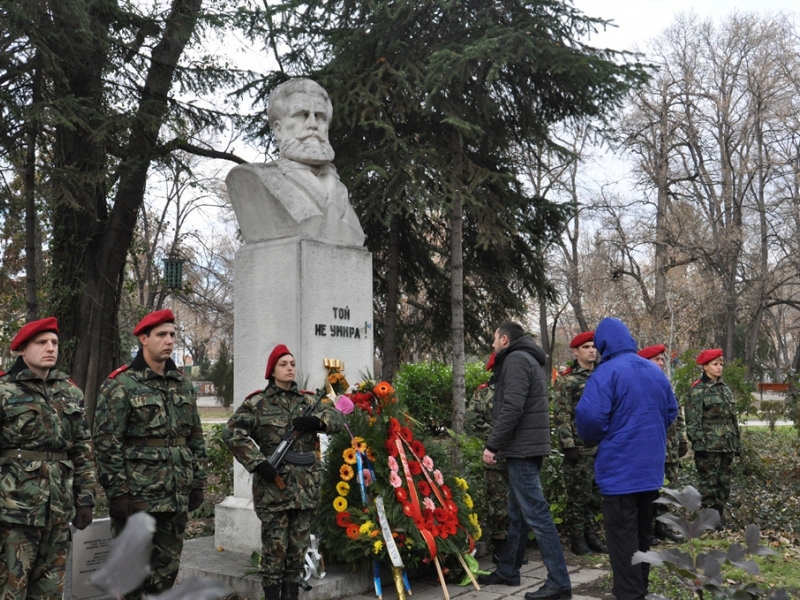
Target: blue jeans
x: 527, y: 507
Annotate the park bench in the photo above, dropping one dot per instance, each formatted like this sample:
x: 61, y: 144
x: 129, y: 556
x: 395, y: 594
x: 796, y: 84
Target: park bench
x: 774, y: 388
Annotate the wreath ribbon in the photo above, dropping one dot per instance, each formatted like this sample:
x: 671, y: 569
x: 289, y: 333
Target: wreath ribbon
x: 412, y: 492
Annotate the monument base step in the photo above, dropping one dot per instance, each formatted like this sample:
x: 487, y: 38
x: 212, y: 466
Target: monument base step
x: 201, y: 558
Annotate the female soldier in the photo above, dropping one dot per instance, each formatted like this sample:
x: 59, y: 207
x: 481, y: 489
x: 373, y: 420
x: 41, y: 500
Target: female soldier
x: 713, y: 430
x: 252, y: 434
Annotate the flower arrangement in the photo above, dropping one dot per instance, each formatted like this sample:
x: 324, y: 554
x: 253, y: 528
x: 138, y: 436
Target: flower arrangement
x: 426, y: 510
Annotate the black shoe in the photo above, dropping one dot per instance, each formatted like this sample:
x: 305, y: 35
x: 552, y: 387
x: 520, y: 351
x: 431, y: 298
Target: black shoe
x: 494, y: 578
x: 545, y: 593
x: 290, y: 590
x: 595, y: 543
x: 665, y: 533
x: 579, y: 546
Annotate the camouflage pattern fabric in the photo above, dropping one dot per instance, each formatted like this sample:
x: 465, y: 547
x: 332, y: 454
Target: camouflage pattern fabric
x: 284, y: 539
x: 714, y: 472
x: 478, y: 423
x: 675, y: 434
x: 583, y: 495
x: 165, y: 558
x: 139, y: 403
x: 43, y: 416
x: 252, y: 433
x: 711, y: 423
x: 33, y: 562
x: 567, y: 392
x: 584, y: 502
x: 257, y: 427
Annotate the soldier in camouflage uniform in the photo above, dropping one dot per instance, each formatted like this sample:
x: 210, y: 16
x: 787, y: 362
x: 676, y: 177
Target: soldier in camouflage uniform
x: 150, y: 449
x: 253, y: 432
x: 713, y: 429
x: 478, y: 422
x: 47, y: 475
x: 583, y: 495
x: 677, y: 447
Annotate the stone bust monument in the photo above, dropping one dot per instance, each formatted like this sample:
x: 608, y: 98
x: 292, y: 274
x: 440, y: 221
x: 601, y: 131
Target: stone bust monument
x: 299, y: 194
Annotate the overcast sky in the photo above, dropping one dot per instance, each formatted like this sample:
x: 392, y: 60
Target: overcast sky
x: 641, y: 20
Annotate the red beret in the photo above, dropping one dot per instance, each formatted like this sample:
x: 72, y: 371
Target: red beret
x: 32, y: 329
x: 652, y: 351
x: 490, y: 362
x: 277, y: 352
x: 153, y: 320
x: 580, y: 339
x: 706, y: 356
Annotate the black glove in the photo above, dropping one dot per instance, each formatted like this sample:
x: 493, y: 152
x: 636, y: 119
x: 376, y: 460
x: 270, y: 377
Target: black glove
x: 683, y: 448
x: 120, y: 508
x: 572, y: 454
x: 308, y: 424
x: 267, y: 471
x: 83, y: 517
x: 195, y: 499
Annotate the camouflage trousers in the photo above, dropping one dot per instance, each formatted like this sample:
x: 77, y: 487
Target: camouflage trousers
x: 671, y: 470
x: 714, y: 472
x: 496, y: 482
x: 33, y: 561
x: 285, y: 536
x: 584, y: 502
x: 165, y: 558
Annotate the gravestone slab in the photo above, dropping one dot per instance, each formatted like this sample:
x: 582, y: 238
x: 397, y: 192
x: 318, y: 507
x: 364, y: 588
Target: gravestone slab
x: 89, y: 551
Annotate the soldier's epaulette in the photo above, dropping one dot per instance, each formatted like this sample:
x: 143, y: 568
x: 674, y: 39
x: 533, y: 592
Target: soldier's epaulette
x: 696, y: 382
x: 2, y: 373
x: 483, y: 386
x: 253, y: 394
x: 69, y: 379
x: 566, y: 371
x: 118, y: 371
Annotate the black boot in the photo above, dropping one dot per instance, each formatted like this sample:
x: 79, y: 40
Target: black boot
x: 595, y: 543
x: 722, y: 523
x: 579, y: 546
x: 498, y: 549
x: 665, y: 533
x: 273, y: 592
x: 290, y: 590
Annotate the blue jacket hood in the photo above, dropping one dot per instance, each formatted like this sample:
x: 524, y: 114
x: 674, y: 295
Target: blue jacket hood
x: 612, y: 338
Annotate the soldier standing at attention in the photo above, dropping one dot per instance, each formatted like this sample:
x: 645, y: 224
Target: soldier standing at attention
x: 677, y: 447
x: 252, y: 433
x: 150, y: 449
x: 584, y: 503
x: 713, y: 430
x: 47, y: 475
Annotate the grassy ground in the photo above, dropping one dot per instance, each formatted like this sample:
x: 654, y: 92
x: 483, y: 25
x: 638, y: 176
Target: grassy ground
x: 214, y: 412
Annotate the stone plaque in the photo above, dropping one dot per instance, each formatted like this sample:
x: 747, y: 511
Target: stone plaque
x: 90, y: 549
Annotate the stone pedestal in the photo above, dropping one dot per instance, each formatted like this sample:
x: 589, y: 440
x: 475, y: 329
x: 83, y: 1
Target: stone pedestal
x: 317, y: 299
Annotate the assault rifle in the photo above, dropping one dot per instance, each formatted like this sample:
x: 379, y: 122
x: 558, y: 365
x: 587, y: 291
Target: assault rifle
x: 278, y: 456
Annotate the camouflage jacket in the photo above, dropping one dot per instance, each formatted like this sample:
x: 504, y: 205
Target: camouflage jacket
x: 478, y: 419
x: 136, y: 404
x: 256, y: 429
x: 675, y: 434
x: 42, y: 416
x: 711, y: 422
x: 567, y: 392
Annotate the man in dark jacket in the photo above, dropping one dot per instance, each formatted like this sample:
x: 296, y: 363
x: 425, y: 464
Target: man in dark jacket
x: 626, y: 408
x: 521, y: 435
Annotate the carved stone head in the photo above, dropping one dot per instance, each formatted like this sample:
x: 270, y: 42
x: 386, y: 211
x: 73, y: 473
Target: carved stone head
x: 300, y: 112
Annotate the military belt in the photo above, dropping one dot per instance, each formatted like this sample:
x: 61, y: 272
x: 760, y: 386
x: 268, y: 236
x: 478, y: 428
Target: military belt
x: 155, y: 442
x: 304, y: 459
x: 19, y: 453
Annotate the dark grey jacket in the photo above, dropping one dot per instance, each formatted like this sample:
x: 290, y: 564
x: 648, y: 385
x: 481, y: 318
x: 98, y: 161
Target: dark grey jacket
x: 521, y: 422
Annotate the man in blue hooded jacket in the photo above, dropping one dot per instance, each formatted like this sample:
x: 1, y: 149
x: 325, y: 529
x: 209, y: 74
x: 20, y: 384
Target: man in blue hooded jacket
x: 626, y: 408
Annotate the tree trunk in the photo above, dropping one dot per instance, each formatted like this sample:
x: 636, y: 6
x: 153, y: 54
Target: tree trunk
x: 31, y: 220
x: 389, y: 350
x: 457, y: 297
x: 544, y: 336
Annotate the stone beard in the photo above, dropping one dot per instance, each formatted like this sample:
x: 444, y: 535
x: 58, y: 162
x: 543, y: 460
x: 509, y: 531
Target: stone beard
x: 311, y: 150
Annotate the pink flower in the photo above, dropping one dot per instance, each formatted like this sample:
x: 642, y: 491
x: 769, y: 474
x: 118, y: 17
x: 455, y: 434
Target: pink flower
x: 393, y: 464
x: 429, y: 505
x: 394, y: 480
x: 437, y: 475
x: 427, y: 461
x: 367, y: 477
